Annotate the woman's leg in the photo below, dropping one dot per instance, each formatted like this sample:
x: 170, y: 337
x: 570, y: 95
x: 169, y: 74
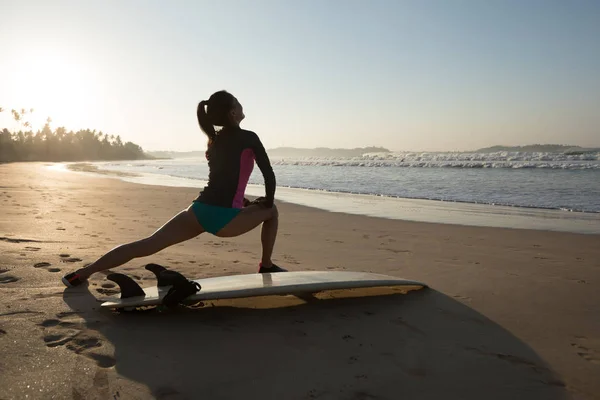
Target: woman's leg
x: 182, y: 227
x: 249, y: 218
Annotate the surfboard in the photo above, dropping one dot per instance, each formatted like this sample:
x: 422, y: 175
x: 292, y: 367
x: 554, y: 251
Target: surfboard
x: 250, y: 285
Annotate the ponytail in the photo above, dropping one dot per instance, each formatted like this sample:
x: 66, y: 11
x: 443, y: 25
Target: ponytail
x: 216, y: 113
x: 205, y: 124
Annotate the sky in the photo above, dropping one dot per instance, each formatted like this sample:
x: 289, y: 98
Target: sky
x: 422, y: 75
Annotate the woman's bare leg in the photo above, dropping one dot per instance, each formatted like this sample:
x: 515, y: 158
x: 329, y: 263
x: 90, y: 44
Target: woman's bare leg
x: 249, y: 218
x: 182, y: 227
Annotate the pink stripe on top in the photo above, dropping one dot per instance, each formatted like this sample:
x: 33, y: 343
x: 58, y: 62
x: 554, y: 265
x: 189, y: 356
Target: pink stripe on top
x: 246, y: 167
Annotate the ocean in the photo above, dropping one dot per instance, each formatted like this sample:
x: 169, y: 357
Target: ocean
x: 507, y: 189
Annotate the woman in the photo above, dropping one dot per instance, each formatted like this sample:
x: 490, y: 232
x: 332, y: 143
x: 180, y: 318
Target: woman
x: 221, y: 208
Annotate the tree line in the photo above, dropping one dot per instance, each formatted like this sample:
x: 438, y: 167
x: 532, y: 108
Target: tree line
x: 59, y: 144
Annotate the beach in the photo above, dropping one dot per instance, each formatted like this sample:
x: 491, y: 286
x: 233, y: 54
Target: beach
x: 509, y: 313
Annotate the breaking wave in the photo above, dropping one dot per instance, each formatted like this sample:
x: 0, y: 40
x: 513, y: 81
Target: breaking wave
x: 456, y: 160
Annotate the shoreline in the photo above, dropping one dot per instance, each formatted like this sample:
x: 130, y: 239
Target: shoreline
x: 394, y: 208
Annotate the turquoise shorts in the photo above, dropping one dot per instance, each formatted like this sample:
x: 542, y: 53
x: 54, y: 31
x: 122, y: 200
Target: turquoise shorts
x: 213, y: 218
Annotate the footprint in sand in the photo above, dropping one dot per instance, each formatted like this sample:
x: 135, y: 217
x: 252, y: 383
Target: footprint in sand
x: 17, y: 240
x: 459, y: 297
x: 75, y: 338
x: 107, y: 292
x: 108, y: 289
x: 66, y: 314
x: 56, y: 340
x: 70, y: 259
x: 45, y: 265
x: 583, y: 347
x: 41, y: 265
x: 394, y: 250
x: 8, y: 279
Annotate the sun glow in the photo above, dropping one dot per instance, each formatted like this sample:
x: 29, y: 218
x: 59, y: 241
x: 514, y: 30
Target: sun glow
x: 55, y: 84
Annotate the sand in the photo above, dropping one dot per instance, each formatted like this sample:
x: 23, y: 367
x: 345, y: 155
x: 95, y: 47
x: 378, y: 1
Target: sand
x: 510, y: 313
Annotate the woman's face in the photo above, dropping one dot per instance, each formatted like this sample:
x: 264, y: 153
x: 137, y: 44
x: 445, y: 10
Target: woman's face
x: 237, y: 112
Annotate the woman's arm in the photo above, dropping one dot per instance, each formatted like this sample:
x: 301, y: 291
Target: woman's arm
x: 264, y: 164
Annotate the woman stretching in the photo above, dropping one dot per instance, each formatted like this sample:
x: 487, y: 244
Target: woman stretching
x: 221, y: 208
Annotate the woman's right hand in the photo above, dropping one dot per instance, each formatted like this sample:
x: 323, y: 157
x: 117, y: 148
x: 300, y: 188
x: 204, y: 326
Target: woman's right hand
x: 261, y: 201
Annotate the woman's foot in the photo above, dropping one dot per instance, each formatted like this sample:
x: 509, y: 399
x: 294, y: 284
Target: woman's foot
x: 272, y: 268
x: 73, y: 279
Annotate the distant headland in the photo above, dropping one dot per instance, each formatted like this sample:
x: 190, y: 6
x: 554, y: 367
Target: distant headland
x: 541, y: 148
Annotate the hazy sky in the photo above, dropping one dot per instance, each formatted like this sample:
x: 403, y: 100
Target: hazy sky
x: 407, y: 75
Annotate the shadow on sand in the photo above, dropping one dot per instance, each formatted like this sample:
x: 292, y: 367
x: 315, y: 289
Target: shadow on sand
x: 421, y: 345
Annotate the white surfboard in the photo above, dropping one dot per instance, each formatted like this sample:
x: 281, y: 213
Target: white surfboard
x: 281, y: 283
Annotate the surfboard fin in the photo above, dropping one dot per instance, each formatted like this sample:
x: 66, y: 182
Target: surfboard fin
x: 129, y: 287
x: 157, y: 270
x: 181, y: 289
